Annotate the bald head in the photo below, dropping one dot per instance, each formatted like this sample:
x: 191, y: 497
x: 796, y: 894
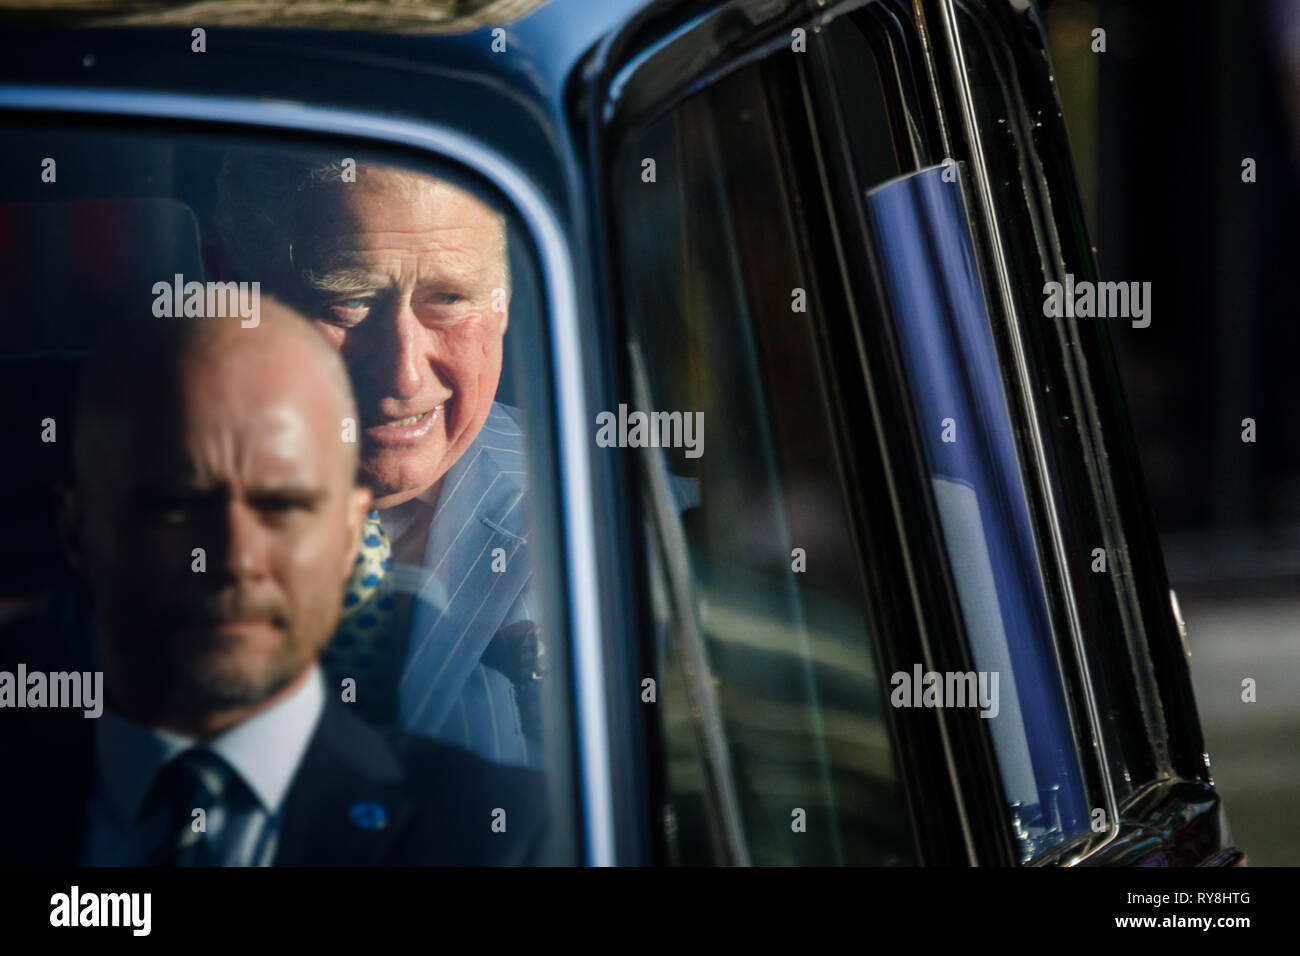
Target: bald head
x: 135, y: 377
x: 215, y: 512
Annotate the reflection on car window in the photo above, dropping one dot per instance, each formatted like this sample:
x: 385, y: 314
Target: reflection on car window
x: 771, y: 704
x: 299, y: 511
x: 919, y: 224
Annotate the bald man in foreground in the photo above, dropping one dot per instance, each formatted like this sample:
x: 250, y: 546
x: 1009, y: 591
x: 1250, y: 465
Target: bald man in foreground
x: 215, y: 518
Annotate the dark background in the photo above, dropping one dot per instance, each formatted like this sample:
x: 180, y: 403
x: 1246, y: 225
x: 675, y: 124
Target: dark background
x: 1160, y: 124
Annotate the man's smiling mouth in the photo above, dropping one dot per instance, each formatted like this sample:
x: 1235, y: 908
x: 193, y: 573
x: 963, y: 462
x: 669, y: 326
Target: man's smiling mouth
x: 408, y: 429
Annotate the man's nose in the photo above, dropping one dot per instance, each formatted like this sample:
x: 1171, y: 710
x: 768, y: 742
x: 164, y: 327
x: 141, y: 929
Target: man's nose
x: 398, y: 363
x: 244, y: 542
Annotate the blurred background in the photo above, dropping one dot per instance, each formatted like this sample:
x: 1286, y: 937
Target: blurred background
x: 1160, y: 124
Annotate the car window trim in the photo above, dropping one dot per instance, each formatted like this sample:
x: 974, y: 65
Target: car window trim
x: 1034, y: 450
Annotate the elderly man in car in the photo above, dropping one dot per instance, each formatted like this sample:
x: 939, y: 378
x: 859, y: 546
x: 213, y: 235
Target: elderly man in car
x: 407, y: 276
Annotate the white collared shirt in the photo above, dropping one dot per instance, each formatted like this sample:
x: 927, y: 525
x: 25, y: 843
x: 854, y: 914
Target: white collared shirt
x: 264, y: 751
x: 407, y: 526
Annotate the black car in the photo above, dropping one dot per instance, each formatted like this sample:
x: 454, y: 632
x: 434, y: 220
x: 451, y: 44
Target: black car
x: 839, y: 528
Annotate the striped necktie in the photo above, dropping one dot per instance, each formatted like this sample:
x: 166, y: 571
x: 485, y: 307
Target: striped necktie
x: 196, y: 779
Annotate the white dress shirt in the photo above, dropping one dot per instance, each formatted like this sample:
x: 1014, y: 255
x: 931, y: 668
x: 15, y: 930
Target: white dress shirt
x: 407, y: 526
x: 264, y: 751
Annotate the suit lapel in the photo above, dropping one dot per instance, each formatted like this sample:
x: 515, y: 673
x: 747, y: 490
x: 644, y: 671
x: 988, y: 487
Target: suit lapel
x: 347, y: 803
x: 466, y: 596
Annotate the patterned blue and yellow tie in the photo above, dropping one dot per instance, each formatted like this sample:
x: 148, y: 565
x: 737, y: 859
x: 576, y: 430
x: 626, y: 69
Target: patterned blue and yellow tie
x: 362, y: 647
x: 370, y: 574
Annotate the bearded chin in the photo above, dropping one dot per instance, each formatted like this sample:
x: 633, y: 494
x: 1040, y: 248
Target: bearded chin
x: 208, y: 686
x: 218, y: 678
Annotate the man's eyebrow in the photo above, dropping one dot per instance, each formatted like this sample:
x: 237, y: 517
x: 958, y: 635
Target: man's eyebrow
x: 341, y: 280
x: 165, y: 488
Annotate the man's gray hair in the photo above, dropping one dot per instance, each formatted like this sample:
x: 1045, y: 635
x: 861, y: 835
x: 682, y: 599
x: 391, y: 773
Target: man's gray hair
x: 261, y: 196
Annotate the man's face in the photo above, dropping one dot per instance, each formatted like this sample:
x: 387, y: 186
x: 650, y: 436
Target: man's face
x: 247, y: 464
x: 402, y: 273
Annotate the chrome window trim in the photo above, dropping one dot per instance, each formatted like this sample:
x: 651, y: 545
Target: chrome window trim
x: 1055, y: 545
x: 558, y: 278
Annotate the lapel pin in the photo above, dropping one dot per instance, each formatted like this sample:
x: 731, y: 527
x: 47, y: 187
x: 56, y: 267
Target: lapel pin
x: 368, y: 815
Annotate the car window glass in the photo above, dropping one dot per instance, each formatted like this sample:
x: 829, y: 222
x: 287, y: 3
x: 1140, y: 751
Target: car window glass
x: 446, y: 637
x: 920, y: 227
x: 771, y: 705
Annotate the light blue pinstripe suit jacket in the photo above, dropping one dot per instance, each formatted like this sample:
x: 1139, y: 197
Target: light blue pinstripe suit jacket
x: 444, y: 691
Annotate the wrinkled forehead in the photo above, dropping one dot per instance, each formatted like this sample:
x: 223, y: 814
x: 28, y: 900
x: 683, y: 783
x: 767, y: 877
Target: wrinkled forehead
x: 398, y: 224
x: 385, y: 196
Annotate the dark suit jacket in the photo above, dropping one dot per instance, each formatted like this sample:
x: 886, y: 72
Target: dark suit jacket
x: 439, y: 800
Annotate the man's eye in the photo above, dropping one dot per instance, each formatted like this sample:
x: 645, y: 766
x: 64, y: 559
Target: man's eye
x: 440, y: 300
x: 348, y: 311
x: 170, y: 511
x: 281, y: 505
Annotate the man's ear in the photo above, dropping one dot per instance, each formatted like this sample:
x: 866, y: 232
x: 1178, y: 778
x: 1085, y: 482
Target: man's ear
x: 72, y: 525
x: 358, y: 506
